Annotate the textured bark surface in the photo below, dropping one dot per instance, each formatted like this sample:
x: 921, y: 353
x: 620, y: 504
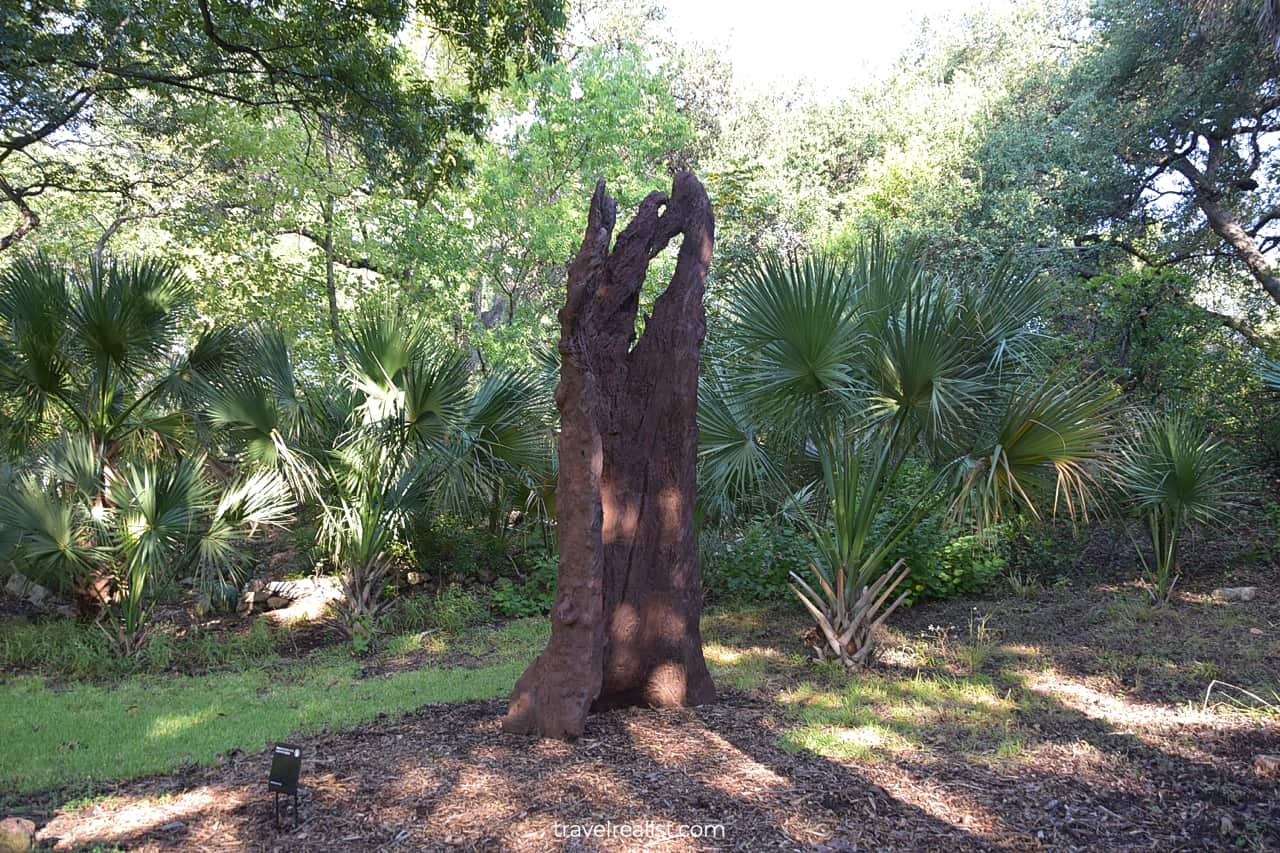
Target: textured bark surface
x: 625, y: 626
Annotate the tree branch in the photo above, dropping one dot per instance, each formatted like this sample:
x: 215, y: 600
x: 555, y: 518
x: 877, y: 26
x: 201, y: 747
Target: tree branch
x: 346, y: 260
x: 1263, y: 343
x: 29, y: 220
x: 1225, y: 224
x: 100, y: 246
x: 17, y: 143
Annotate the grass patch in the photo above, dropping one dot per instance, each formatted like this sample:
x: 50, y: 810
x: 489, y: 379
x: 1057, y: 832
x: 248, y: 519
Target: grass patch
x: 68, y: 649
x: 521, y: 639
x: 86, y: 734
x: 876, y: 716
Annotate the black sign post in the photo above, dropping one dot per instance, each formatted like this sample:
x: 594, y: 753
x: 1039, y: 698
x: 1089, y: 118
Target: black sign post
x: 286, y: 764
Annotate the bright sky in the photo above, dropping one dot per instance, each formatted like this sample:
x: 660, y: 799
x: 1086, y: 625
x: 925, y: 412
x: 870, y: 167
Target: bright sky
x: 829, y: 43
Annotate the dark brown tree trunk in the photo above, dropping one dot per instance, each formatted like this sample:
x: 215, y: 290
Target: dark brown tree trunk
x: 625, y: 626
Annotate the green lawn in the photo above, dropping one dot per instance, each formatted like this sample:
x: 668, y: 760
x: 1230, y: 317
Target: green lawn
x: 54, y: 734
x: 980, y: 697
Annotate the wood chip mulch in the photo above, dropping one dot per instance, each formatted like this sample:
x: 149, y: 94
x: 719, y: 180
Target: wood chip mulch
x: 712, y: 778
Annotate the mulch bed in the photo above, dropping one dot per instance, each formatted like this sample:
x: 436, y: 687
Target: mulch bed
x: 447, y: 778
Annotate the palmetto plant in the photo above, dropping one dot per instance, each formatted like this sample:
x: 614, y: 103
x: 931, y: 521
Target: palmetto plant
x: 407, y: 430
x: 100, y: 354
x: 1271, y: 375
x: 95, y: 385
x: 1176, y: 475
x: 153, y: 520
x: 860, y: 366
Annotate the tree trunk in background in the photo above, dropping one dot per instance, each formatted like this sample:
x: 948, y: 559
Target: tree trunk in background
x: 1225, y: 224
x: 330, y: 284
x: 625, y: 626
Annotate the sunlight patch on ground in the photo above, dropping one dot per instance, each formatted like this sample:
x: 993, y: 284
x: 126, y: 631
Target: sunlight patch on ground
x: 129, y: 817
x: 958, y: 808
x: 744, y: 668
x: 1116, y: 710
x: 725, y: 656
x: 171, y: 725
x: 874, y: 718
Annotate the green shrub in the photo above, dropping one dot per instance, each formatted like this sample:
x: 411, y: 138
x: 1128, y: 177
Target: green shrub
x: 535, y: 596
x: 754, y: 562
x: 412, y: 614
x: 456, y: 608
x: 160, y: 651
x: 453, y: 610
x: 944, y: 561
x: 444, y: 547
x: 943, y: 566
x: 204, y: 651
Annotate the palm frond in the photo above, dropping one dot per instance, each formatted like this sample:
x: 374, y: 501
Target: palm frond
x: 377, y: 348
x: 433, y: 396
x: 127, y: 314
x: 921, y: 370
x: 733, y: 464
x: 35, y: 366
x: 1052, y: 440
x: 50, y: 536
x: 262, y: 499
x: 1271, y: 374
x: 796, y: 339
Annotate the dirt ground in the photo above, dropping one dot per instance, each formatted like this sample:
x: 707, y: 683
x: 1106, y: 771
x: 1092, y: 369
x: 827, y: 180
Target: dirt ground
x: 1089, y: 734
x: 447, y: 778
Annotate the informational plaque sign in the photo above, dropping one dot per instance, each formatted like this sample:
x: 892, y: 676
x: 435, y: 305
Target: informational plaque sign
x: 286, y: 765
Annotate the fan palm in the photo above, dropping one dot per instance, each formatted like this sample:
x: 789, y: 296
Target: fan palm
x: 1176, y: 475
x: 100, y: 354
x: 1271, y: 375
x: 96, y: 382
x: 406, y: 430
x: 152, y: 521
x: 866, y: 364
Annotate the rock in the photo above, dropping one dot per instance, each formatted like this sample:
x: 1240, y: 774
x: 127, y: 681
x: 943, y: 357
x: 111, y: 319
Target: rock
x: 1236, y: 593
x: 308, y: 598
x: 17, y: 835
x: 1267, y: 766
x: 275, y: 602
x: 172, y: 825
x: 37, y: 594
x: 17, y: 585
x: 281, y: 559
x: 261, y: 596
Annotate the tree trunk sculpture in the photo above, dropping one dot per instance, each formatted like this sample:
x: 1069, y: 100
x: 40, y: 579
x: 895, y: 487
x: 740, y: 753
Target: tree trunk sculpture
x: 625, y: 623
